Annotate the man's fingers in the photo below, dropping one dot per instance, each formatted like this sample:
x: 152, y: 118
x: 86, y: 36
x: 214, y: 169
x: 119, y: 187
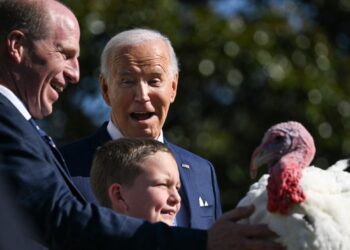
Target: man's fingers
x: 227, y: 233
x: 238, y: 213
x: 261, y: 245
x: 259, y: 231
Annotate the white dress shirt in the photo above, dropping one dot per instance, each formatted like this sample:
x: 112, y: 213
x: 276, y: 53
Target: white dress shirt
x: 115, y: 133
x: 15, y: 101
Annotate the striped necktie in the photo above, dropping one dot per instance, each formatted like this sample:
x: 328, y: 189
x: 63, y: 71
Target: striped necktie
x: 50, y: 142
x: 42, y: 134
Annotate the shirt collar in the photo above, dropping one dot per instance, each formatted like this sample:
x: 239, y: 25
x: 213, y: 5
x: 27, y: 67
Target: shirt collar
x: 115, y: 133
x: 15, y: 101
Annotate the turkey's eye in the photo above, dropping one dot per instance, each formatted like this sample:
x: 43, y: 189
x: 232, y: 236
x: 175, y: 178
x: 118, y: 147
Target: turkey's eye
x: 278, y: 138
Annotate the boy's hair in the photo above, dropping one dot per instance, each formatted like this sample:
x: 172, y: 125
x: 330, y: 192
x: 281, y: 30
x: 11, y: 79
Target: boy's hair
x: 120, y: 161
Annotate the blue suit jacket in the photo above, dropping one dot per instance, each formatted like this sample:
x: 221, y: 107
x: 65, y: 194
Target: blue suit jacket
x: 199, y: 189
x: 59, y: 214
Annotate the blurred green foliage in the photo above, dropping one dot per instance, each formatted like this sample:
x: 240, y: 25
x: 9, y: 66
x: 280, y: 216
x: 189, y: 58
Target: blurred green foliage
x: 243, y: 68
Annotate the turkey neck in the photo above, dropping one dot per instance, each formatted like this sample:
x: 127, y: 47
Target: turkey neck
x: 283, y: 187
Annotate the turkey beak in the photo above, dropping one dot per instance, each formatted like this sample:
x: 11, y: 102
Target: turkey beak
x: 260, y: 157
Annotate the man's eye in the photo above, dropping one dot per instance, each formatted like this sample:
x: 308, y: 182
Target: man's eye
x: 154, y: 82
x: 64, y: 56
x: 128, y: 81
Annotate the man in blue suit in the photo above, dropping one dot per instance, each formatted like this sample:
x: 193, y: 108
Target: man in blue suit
x: 139, y: 79
x: 39, y: 46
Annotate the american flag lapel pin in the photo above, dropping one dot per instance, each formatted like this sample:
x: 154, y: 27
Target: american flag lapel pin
x: 184, y: 165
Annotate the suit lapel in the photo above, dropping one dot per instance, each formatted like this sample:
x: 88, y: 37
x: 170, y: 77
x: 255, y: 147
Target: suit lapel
x: 17, y: 115
x: 62, y: 168
x: 102, y: 135
x: 187, y: 191
x: 48, y: 140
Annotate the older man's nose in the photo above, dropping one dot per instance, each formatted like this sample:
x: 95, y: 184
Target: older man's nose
x: 142, y: 92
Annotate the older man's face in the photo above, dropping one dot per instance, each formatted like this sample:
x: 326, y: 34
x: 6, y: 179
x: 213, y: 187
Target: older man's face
x: 140, y: 89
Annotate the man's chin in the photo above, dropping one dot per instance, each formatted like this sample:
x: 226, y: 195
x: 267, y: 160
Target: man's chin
x: 46, y: 112
x: 40, y: 114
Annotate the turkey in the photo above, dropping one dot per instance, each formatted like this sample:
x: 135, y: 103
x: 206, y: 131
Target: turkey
x: 308, y: 207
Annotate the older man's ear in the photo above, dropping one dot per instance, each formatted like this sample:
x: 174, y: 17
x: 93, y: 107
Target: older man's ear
x: 174, y: 87
x: 104, y: 89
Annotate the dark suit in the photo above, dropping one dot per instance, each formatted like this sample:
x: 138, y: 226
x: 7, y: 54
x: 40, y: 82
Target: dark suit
x: 198, y: 179
x: 14, y: 228
x: 59, y: 214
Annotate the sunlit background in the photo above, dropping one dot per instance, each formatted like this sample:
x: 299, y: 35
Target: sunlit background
x: 245, y: 65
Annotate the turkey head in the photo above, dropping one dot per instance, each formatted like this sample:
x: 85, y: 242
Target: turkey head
x: 287, y: 148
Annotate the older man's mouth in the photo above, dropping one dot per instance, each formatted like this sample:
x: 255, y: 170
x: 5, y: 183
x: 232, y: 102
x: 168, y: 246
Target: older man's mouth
x: 140, y: 116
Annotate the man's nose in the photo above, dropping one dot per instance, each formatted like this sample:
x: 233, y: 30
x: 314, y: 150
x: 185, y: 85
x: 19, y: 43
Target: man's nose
x: 142, y: 92
x: 72, y: 72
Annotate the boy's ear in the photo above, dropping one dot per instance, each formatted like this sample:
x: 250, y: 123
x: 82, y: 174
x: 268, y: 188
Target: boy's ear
x: 115, y: 196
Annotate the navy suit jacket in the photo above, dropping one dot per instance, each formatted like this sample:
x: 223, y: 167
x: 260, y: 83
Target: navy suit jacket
x: 58, y: 212
x: 200, y: 205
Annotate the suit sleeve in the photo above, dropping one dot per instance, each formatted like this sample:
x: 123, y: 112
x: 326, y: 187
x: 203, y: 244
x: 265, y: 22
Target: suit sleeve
x: 60, y: 220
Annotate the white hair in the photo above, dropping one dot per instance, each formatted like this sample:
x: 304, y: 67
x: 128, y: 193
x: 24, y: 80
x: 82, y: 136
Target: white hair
x: 134, y: 37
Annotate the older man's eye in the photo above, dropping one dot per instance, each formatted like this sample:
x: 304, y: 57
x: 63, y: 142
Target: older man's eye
x: 127, y: 81
x: 154, y: 82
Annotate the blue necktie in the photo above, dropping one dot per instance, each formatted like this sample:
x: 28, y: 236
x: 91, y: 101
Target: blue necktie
x: 63, y: 169
x: 42, y: 133
x: 50, y: 142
